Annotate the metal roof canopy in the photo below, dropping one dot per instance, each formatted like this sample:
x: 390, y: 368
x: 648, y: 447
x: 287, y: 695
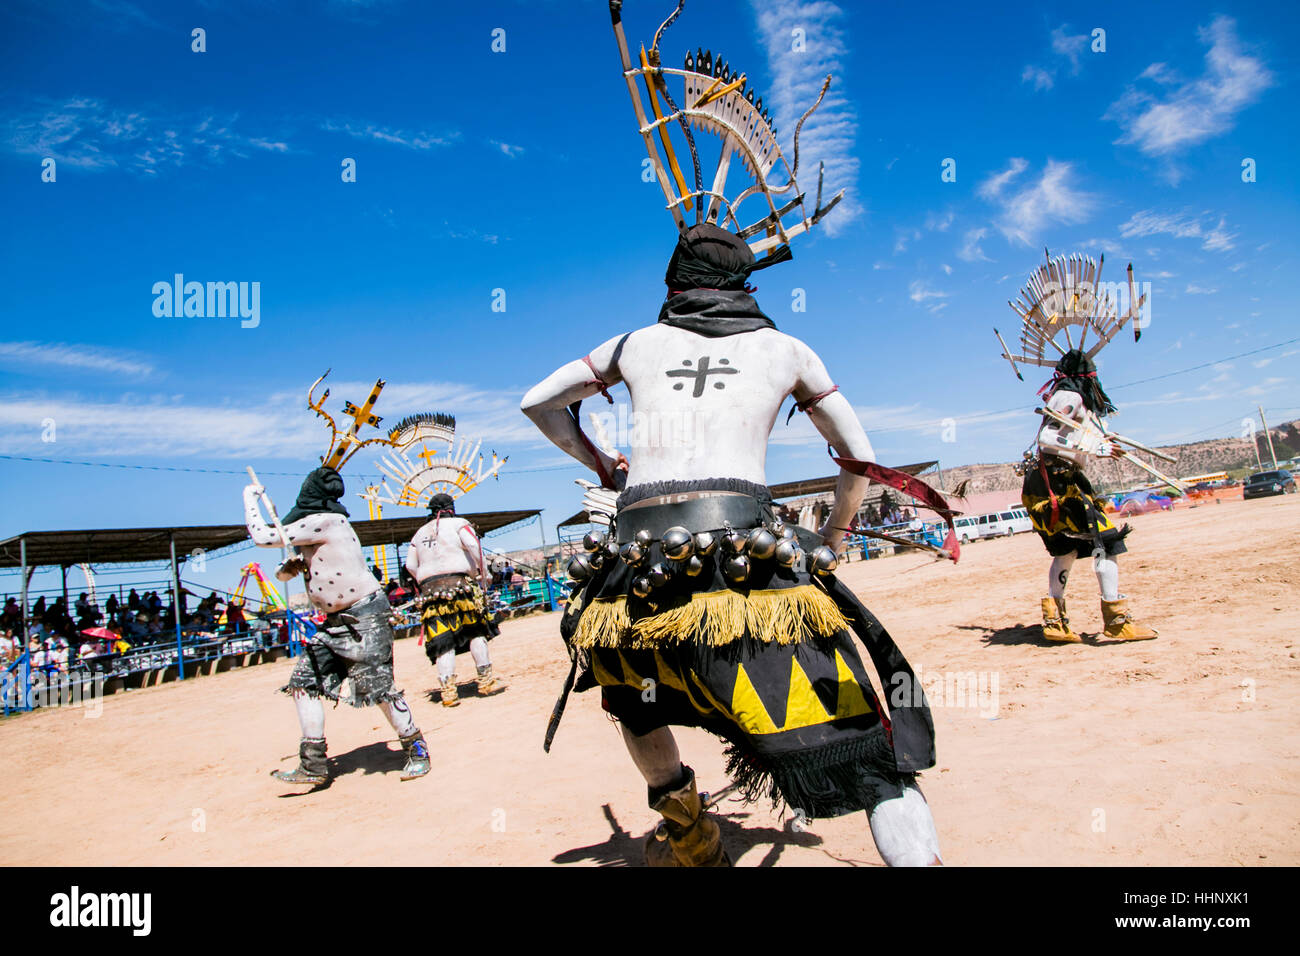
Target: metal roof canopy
x: 787, y: 489
x: 132, y: 545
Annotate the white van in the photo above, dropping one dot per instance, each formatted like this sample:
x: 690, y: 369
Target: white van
x: 992, y: 525
x: 967, y: 529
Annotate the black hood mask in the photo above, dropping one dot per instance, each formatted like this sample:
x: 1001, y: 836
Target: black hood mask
x: 707, y: 281
x: 1078, y: 373
x: 442, y: 504
x: 320, y: 493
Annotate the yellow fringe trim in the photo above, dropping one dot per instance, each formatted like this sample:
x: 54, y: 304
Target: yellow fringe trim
x: 715, y: 618
x: 447, y: 608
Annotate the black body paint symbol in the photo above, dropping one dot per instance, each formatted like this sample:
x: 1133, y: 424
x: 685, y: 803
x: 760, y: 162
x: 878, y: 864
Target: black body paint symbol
x: 700, y: 374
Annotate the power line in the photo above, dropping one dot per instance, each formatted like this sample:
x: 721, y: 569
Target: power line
x: 565, y: 467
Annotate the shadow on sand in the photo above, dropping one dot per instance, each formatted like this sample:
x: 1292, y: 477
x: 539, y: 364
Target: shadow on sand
x: 377, y: 757
x: 624, y: 849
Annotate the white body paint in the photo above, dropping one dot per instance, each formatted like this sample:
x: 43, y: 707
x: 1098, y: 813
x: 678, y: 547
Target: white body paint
x: 710, y: 432
x: 337, y: 575
x: 454, y: 550
x: 903, y: 829
x: 692, y: 429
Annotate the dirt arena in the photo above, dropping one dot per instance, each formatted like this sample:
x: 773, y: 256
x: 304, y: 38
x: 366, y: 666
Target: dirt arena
x: 1169, y: 752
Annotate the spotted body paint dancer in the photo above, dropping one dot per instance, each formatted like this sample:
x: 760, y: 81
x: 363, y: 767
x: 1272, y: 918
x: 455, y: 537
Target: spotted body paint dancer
x: 356, y: 639
x: 446, y: 558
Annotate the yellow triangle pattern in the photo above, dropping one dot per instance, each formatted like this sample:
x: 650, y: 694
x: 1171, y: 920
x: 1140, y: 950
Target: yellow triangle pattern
x: 803, y: 708
x: 850, y: 701
x: 748, y: 707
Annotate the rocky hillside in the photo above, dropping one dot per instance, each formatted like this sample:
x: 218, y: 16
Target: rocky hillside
x: 1193, y: 458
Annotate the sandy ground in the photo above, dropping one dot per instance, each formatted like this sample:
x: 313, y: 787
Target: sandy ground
x: 1175, y: 751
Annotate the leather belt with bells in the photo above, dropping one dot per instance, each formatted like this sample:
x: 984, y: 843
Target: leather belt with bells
x: 694, y: 511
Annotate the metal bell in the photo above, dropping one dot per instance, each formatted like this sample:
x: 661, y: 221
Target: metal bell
x: 823, y: 561
x: 641, y: 586
x: 643, y: 538
x: 734, y: 542
x: 787, y: 553
x: 778, y: 528
x: 597, y: 560
x: 736, y: 568
x: 593, y: 541
x: 761, y: 543
x: 677, y: 544
x: 705, y: 544
x: 659, y: 574
x: 632, y: 554
x: 693, y: 566
x: 787, y: 533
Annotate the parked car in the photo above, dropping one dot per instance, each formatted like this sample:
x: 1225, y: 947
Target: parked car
x: 1265, y: 483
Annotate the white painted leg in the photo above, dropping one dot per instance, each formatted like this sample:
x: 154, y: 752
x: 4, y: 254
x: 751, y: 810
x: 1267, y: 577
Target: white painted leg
x: 904, y: 831
x: 478, y: 650
x: 311, y: 716
x: 447, y: 664
x: 399, y: 715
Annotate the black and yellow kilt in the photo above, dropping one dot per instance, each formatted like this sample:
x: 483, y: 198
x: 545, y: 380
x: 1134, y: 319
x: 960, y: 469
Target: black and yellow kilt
x: 769, y: 666
x: 454, y: 612
x: 1066, y: 512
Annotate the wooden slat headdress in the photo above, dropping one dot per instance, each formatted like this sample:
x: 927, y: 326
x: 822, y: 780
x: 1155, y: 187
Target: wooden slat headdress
x: 716, y: 100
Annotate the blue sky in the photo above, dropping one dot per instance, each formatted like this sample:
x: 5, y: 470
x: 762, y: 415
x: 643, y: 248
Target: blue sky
x: 520, y: 170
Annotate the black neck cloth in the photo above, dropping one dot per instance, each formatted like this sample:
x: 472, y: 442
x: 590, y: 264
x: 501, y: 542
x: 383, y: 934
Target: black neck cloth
x: 320, y: 494
x: 1078, y: 373
x: 707, y: 284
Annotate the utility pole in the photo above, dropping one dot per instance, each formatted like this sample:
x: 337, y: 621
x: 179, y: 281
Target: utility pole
x: 1271, y: 452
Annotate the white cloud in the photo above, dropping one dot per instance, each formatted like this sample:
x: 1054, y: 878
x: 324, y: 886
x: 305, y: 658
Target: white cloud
x: 508, y: 149
x: 1040, y: 78
x: 418, y: 139
x: 171, y: 427
x: 1191, y: 112
x: 970, y: 250
x: 1194, y: 289
x: 1214, y: 238
x: 83, y: 357
x: 796, y: 78
x: 1030, y: 209
x: 919, y: 292
x: 1069, y: 46
x: 89, y: 134
x: 1066, y: 46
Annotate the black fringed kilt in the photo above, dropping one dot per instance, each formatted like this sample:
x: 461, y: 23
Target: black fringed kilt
x: 454, y: 613
x: 1066, y: 512
x: 361, y: 651
x: 768, y: 665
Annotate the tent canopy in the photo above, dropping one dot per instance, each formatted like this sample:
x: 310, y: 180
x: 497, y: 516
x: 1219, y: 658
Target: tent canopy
x: 131, y: 545
x: 787, y: 489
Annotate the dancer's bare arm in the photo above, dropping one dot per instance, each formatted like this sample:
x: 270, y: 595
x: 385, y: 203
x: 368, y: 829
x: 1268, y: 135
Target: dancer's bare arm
x: 263, y: 534
x: 547, y: 402
x: 469, y: 543
x: 835, y: 419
